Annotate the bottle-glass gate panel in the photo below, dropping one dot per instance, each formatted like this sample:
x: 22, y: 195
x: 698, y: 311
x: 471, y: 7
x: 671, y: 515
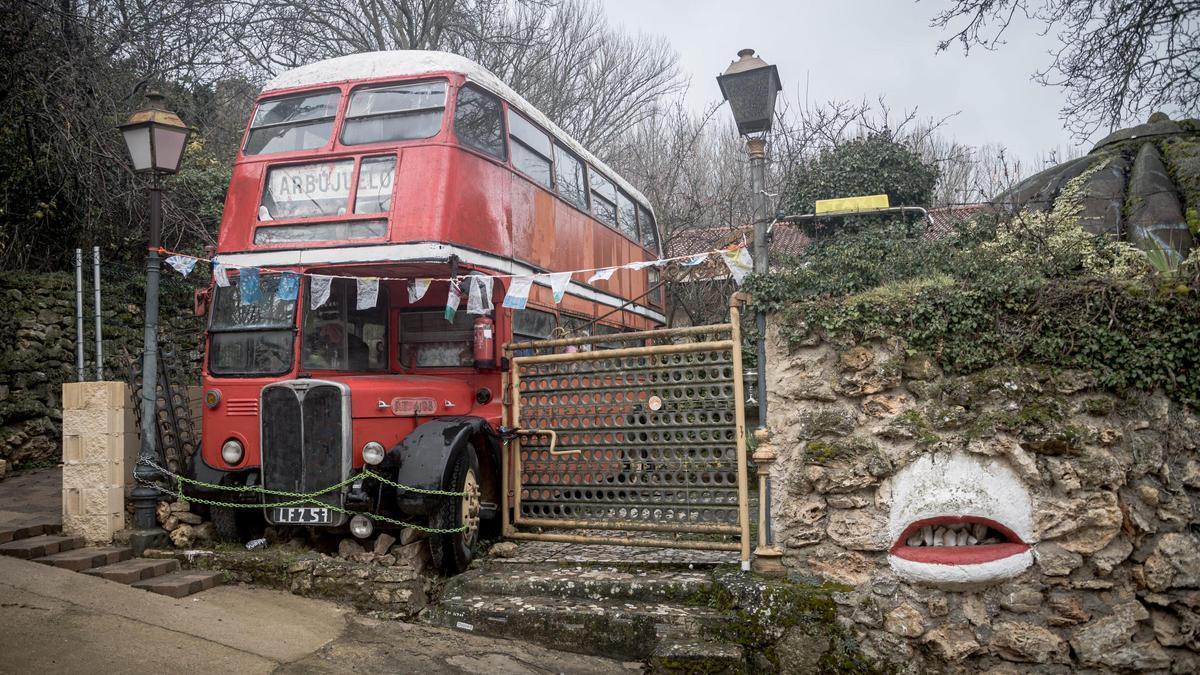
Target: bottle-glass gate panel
x: 637, y: 432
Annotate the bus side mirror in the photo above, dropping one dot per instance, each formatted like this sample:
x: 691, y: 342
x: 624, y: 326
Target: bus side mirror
x: 200, y: 301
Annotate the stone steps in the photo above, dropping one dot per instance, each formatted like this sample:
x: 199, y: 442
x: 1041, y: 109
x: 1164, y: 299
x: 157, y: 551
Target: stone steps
x: 39, y: 541
x: 26, y: 529
x: 585, y: 582
x: 81, y: 559
x: 180, y: 584
x: 631, y: 614
x: 39, y: 546
x: 135, y: 569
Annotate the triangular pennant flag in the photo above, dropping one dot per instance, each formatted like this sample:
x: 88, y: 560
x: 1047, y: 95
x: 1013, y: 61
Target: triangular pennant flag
x: 695, y: 260
x: 558, y: 284
x: 602, y: 275
x: 182, y: 263
x: 640, y: 265
x: 518, y: 292
x: 453, y: 298
x: 416, y: 290
x: 220, y: 274
x: 249, y: 287
x: 318, y: 290
x: 289, y: 287
x: 368, y: 293
x: 739, y: 263
x: 479, y: 296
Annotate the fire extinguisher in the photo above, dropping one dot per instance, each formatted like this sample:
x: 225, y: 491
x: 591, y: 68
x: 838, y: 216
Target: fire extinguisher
x: 485, y: 343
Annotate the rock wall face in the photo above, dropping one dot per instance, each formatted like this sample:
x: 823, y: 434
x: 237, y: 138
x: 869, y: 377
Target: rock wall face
x: 1014, y: 518
x: 37, y: 350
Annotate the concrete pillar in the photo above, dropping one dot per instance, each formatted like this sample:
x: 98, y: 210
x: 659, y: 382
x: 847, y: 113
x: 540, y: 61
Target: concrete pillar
x: 100, y: 444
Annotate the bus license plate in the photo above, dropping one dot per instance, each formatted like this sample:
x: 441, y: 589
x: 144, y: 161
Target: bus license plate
x: 302, y: 515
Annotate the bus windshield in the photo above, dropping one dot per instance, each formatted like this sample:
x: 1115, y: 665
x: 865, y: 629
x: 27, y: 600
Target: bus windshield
x: 252, y: 335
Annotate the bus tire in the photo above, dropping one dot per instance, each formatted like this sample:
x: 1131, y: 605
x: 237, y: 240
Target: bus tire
x: 236, y: 526
x: 225, y: 524
x: 452, y: 553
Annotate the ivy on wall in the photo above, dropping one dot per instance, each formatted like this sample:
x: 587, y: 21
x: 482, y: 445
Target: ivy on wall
x: 1031, y: 288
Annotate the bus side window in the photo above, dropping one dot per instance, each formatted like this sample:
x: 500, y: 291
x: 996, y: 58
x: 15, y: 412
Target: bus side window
x: 627, y: 216
x: 604, y: 198
x: 568, y: 177
x: 530, y: 325
x: 649, y: 231
x: 531, y: 149
x: 477, y: 121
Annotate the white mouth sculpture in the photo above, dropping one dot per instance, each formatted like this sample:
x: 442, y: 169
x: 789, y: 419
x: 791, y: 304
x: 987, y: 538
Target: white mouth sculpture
x: 959, y: 520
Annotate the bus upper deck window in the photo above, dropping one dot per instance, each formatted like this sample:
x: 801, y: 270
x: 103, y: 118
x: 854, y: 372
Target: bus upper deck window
x: 477, y: 122
x: 604, y: 198
x: 531, y: 149
x: 627, y: 216
x: 649, y: 231
x: 568, y: 177
x: 292, y: 123
x: 394, y: 112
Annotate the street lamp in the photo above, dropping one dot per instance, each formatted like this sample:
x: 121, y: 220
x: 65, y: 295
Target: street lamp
x: 751, y: 85
x: 155, y: 138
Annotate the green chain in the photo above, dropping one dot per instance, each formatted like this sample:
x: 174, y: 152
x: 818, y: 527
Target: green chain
x: 305, y: 498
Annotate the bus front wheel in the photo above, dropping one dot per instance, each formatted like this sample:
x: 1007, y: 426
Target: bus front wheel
x: 452, y: 552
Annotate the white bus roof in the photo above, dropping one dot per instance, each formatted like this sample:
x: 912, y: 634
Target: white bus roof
x: 409, y: 63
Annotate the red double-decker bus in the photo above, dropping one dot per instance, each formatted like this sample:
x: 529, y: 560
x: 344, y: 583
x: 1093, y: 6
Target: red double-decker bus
x: 398, y: 165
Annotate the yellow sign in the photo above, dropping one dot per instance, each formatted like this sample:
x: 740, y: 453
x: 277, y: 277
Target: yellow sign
x: 852, y: 204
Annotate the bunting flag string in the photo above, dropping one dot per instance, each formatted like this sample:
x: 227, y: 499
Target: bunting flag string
x: 453, y: 298
x: 249, y: 287
x: 518, y: 292
x: 289, y: 287
x: 479, y: 298
x: 182, y: 263
x: 367, y: 293
x: 737, y: 260
x: 416, y: 290
x: 318, y: 290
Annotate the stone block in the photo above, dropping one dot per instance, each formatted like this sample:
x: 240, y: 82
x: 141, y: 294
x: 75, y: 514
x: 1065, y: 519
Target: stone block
x: 104, y: 447
x: 95, y: 395
x: 97, y: 529
x: 72, y: 448
x: 103, y: 501
x: 72, y: 499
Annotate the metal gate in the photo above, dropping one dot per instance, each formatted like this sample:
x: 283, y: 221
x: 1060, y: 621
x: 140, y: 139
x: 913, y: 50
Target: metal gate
x: 637, y: 432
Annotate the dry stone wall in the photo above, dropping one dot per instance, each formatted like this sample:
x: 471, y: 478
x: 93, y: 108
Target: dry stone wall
x: 37, y: 350
x: 1088, y: 499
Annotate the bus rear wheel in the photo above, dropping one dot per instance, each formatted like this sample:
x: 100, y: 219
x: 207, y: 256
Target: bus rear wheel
x: 452, y: 552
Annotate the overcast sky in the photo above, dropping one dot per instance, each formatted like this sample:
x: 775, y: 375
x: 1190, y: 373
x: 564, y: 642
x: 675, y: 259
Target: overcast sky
x: 847, y: 49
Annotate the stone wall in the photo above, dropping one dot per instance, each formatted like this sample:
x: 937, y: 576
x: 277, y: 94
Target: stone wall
x: 1095, y: 562
x: 37, y: 349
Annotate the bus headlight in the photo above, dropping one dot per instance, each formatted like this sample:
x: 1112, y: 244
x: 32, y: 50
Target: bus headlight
x: 232, y: 452
x: 373, y: 453
x: 361, y: 526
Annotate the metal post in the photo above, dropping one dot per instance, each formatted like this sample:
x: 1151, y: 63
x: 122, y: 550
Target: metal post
x: 145, y: 497
x: 762, y: 211
x: 79, y: 314
x: 99, y: 330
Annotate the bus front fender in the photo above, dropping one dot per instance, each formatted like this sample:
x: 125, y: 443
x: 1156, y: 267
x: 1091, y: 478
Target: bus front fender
x: 426, y: 457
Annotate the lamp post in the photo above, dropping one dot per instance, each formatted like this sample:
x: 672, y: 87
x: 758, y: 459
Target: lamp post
x: 155, y: 138
x: 751, y: 85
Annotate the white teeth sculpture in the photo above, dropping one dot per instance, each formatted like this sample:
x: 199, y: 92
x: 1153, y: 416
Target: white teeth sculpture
x: 959, y: 520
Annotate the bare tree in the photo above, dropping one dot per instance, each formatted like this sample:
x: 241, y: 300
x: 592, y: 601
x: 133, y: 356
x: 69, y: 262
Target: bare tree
x: 1116, y: 60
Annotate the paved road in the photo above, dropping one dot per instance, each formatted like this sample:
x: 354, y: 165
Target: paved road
x: 56, y: 621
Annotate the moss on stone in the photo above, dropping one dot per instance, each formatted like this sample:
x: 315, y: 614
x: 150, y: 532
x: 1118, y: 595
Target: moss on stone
x: 852, y: 447
x: 1098, y: 406
x: 764, y: 610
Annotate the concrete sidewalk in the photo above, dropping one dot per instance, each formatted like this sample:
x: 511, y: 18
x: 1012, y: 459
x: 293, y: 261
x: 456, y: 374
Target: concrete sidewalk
x: 57, y: 621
